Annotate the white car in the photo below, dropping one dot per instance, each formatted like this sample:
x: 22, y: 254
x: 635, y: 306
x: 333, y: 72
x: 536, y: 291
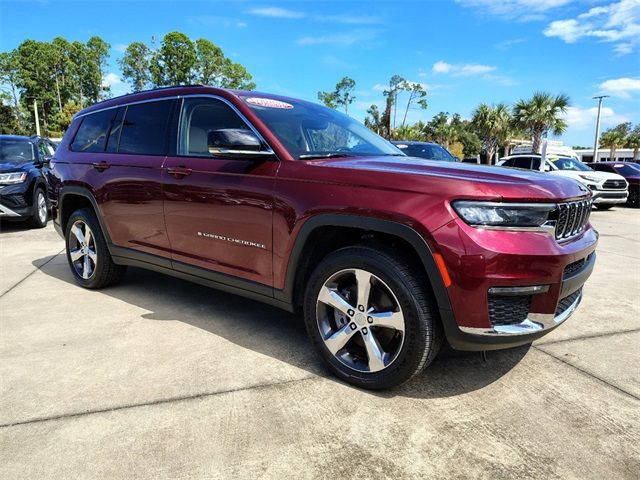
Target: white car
x: 608, y: 189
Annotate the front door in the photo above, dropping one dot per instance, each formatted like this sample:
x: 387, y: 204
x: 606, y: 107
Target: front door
x: 218, y: 211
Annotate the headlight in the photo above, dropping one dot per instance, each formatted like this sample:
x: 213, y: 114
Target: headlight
x: 507, y: 215
x: 11, y: 178
x: 589, y: 178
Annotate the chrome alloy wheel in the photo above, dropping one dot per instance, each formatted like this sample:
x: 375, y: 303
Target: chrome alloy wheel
x: 41, y: 205
x: 360, y: 320
x: 82, y: 250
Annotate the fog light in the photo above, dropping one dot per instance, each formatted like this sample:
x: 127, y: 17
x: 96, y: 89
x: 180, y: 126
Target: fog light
x: 528, y: 290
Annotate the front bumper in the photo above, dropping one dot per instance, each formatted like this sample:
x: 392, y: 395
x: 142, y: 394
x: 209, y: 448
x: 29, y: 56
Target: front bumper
x: 611, y: 197
x: 14, y: 206
x: 481, y: 261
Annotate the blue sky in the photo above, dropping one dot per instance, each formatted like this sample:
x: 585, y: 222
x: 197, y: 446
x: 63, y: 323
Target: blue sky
x: 464, y: 52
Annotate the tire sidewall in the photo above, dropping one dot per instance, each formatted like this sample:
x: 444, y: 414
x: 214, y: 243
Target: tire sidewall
x: 419, y: 321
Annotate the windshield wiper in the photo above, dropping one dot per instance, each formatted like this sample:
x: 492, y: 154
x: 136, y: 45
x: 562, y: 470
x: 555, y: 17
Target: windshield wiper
x: 325, y: 155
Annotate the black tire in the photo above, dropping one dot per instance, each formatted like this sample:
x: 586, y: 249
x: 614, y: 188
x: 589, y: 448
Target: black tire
x: 36, y: 220
x: 634, y: 198
x: 104, y: 272
x: 422, y: 329
x: 604, y: 207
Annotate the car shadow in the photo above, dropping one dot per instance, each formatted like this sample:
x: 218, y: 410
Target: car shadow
x: 7, y: 226
x: 281, y: 335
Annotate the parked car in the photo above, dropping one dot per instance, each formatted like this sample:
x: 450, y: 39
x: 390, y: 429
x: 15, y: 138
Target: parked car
x: 301, y: 207
x: 428, y: 150
x: 23, y: 189
x: 608, y: 189
x: 631, y: 173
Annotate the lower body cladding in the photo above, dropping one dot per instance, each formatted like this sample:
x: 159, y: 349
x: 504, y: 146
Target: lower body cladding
x: 506, y: 298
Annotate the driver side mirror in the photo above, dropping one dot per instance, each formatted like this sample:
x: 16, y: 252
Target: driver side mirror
x: 236, y: 143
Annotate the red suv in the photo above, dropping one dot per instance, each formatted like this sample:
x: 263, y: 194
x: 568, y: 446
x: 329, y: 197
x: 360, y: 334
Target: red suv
x: 302, y: 207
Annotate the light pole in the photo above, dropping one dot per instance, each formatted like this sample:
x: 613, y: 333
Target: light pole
x: 595, y: 142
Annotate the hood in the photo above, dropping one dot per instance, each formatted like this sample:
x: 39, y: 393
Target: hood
x: 7, y: 167
x: 456, y: 179
x: 595, y: 174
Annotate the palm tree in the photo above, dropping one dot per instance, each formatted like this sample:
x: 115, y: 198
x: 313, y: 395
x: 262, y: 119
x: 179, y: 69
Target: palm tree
x: 491, y: 124
x: 633, y: 141
x: 540, y: 115
x: 615, y: 138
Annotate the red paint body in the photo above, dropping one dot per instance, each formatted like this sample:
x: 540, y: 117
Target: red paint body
x: 147, y: 209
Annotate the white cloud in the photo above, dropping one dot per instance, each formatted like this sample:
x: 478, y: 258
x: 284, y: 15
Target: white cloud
x: 119, y: 47
x: 505, y: 45
x: 348, y: 19
x: 111, y: 79
x: 523, y: 10
x: 616, y: 22
x: 581, y: 119
x: 241, y: 24
x: 276, y: 12
x: 339, y: 39
x: 461, y: 70
x: 621, y: 87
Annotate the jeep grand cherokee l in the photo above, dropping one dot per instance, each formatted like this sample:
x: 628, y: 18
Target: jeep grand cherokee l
x: 302, y: 207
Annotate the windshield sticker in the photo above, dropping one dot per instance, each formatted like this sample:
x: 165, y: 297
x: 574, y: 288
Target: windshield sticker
x: 269, y: 103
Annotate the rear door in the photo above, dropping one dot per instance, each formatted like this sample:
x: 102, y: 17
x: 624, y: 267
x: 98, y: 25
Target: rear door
x: 126, y: 147
x: 218, y: 211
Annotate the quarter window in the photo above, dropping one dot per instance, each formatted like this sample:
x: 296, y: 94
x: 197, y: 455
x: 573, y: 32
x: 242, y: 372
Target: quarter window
x: 92, y: 133
x: 200, y: 116
x: 144, y: 126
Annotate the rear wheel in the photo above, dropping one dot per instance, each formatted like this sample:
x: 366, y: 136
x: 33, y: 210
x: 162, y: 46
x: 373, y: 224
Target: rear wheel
x: 40, y: 214
x: 87, y: 252
x: 370, y: 317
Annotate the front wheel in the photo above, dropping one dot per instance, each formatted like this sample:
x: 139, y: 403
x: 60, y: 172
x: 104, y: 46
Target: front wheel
x: 40, y: 214
x: 371, y: 318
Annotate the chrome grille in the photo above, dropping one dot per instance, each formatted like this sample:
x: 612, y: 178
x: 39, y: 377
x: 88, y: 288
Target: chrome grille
x: 572, y: 217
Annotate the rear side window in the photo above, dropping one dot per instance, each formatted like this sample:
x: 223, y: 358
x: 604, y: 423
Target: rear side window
x: 144, y: 126
x: 92, y: 133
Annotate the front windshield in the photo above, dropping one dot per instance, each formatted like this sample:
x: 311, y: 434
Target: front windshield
x: 566, y: 163
x: 15, y: 150
x: 426, y: 150
x: 312, y: 131
x: 627, y: 170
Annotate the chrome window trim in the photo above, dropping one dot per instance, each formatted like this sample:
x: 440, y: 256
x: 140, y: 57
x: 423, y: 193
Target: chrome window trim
x: 181, y: 98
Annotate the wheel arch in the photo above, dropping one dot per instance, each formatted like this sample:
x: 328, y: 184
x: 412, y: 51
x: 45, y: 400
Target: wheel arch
x: 301, y: 256
x: 74, y: 197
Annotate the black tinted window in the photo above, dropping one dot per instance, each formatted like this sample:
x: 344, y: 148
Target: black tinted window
x: 524, y: 162
x: 201, y: 116
x: 143, y: 129
x: 92, y: 134
x: 431, y: 152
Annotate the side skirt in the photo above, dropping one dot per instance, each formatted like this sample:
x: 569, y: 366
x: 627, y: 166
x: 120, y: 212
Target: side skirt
x: 201, y: 276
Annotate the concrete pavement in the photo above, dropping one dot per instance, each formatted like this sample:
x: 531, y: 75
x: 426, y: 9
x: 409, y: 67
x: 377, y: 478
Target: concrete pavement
x: 160, y: 378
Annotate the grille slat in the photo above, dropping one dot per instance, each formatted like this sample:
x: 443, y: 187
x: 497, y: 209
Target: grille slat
x: 567, y: 301
x: 572, y: 218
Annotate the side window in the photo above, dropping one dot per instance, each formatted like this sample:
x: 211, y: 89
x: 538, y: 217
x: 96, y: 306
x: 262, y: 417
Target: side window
x: 522, y: 162
x: 91, y: 136
x: 43, y: 151
x: 200, y: 116
x: 114, y: 131
x: 143, y: 128
x: 508, y: 163
x: 536, y: 164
